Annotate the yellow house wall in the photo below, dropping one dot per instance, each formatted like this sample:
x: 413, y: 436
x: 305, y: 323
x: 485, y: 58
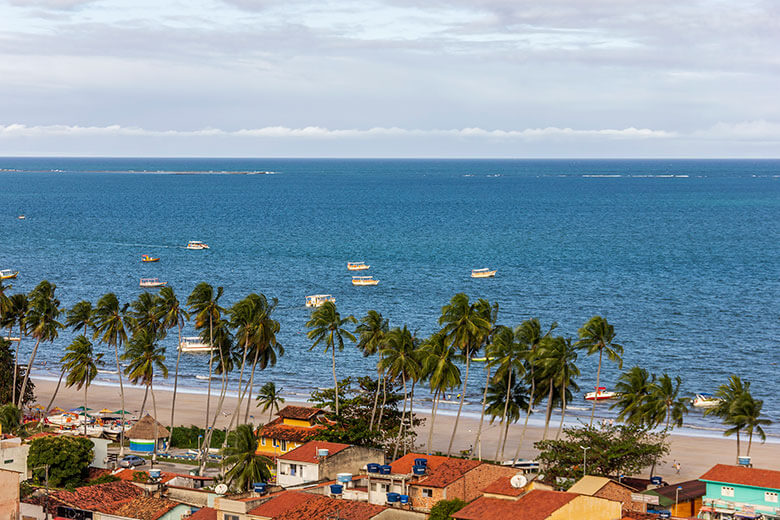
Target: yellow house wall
x: 270, y: 449
x: 592, y: 508
x: 296, y: 422
x: 686, y: 509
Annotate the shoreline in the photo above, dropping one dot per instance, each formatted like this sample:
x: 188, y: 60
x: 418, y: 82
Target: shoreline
x: 696, y: 453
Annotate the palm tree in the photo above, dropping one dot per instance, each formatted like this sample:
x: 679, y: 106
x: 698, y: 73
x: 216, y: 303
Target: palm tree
x: 465, y: 328
x: 110, y: 321
x: 203, y: 303
x: 15, y: 313
x: 633, y: 390
x: 269, y: 397
x: 245, y: 466
x: 746, y: 414
x: 225, y: 358
x: 266, y: 348
x: 371, y: 336
x: 557, y: 362
x: 597, y: 335
x: 506, y: 355
x: 490, y: 312
x: 170, y: 313
x: 398, y: 360
x: 81, y: 362
x: 664, y: 403
x: 41, y: 322
x: 144, y: 356
x: 326, y: 325
x: 728, y: 394
x: 508, y: 409
x: 145, y: 314
x: 439, y: 368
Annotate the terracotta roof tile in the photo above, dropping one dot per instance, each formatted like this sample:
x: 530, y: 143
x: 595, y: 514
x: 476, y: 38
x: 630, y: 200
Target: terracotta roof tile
x: 144, y: 508
x: 536, y: 505
x: 296, y: 505
x: 764, y: 478
x: 308, y: 452
x: 405, y: 463
x: 101, y: 497
x: 502, y: 486
x: 285, y: 432
x: 447, y: 472
x: 128, y: 474
x: 207, y: 513
x: 299, y: 412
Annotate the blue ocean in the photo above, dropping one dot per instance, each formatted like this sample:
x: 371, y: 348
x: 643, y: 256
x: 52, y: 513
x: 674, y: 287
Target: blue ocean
x: 681, y: 256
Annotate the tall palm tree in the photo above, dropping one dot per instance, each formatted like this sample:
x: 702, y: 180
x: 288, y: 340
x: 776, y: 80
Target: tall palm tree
x: 110, y: 329
x: 41, y: 322
x: 505, y: 354
x: 79, y: 317
x: 270, y: 398
x: 170, y: 314
x: 439, y: 368
x: 746, y: 414
x: 557, y: 362
x: 530, y: 336
x: 633, y: 390
x: 203, y: 303
x: 145, y: 314
x: 728, y: 394
x: 144, y: 356
x: 81, y: 362
x: 225, y: 358
x: 266, y: 348
x: 245, y: 466
x: 509, y: 410
x: 664, y: 402
x: 14, y: 315
x: 490, y: 312
x: 465, y: 328
x: 398, y: 359
x: 597, y: 335
x: 371, y: 334
x: 327, y: 326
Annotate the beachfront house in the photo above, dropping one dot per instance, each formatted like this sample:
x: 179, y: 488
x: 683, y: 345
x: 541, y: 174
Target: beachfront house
x: 540, y: 504
x: 740, y: 492
x: 9, y: 494
x: 13, y: 456
x: 320, y: 460
x: 293, y: 426
x: 603, y: 487
x: 682, y: 499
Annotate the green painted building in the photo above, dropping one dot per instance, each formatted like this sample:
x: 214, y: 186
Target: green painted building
x: 740, y: 493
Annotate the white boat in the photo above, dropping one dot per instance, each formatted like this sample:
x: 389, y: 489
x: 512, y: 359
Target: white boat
x: 600, y: 394
x: 705, y: 401
x: 21, y: 217
x: 203, y: 378
x: 152, y: 282
x: 65, y: 419
x: 364, y: 280
x: 194, y: 344
x: 196, y: 244
x: 483, y: 273
x: 104, y: 371
x: 12, y: 338
x: 315, y: 300
x: 357, y: 266
x: 93, y: 430
x: 6, y: 274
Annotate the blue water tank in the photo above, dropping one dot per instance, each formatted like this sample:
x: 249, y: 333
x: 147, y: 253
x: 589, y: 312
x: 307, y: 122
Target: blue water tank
x: 656, y: 481
x: 393, y: 497
x: 418, y: 470
x: 336, y: 489
x: 421, y: 462
x: 404, y: 499
x: 154, y: 473
x: 372, y: 467
x: 259, y: 487
x: 385, y: 469
x: 664, y: 514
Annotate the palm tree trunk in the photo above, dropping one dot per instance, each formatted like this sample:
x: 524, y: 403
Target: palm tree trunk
x: 207, y: 432
x: 478, y: 440
x: 506, y: 435
x: 336, y: 381
x: 598, y: 380
x: 503, y: 416
x: 210, y: 431
x: 376, y: 400
x: 16, y: 361
x: 154, y: 406
x: 460, y: 406
x: 27, y: 374
x: 85, y: 410
x: 400, y: 426
x: 527, y: 414
x: 54, y: 396
x: 251, y: 384
x: 433, y: 419
x: 750, y: 441
x: 175, y: 385
x: 240, y: 379
x: 122, y: 401
x: 143, y: 403
x: 738, y: 451
x: 384, y: 400
x: 411, y: 412
x: 563, y: 409
x: 548, y: 413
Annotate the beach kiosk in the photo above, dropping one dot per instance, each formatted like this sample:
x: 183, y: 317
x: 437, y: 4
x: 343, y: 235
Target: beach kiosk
x: 142, y: 434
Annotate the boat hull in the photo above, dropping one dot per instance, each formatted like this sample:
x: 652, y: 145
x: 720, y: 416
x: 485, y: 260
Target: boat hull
x: 485, y: 274
x: 365, y: 282
x: 9, y: 275
x: 602, y: 396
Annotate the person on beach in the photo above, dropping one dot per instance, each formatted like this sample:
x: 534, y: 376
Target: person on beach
x: 676, y: 466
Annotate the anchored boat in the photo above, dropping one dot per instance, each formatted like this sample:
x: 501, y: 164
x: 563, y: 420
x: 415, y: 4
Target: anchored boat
x: 196, y: 244
x: 357, y: 266
x: 705, y: 401
x: 315, y: 300
x: 152, y: 282
x: 193, y: 344
x: 6, y: 274
x: 483, y: 273
x: 364, y: 280
x: 600, y: 394
x: 147, y: 258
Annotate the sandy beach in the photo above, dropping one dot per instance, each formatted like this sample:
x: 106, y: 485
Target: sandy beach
x: 696, y: 454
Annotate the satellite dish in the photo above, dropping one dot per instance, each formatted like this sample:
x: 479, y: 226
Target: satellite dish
x: 518, y: 481
x: 221, y: 489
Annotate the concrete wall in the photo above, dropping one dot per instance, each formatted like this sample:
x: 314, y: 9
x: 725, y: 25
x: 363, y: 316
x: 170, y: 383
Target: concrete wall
x: 304, y: 472
x: 592, y: 508
x: 193, y: 497
x: 13, y: 456
x: 469, y: 487
x: 350, y: 460
x: 100, y: 453
x: 9, y: 495
x: 614, y: 491
x: 31, y: 512
x: 399, y: 514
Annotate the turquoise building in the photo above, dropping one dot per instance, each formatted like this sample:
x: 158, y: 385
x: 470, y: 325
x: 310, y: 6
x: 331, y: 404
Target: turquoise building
x: 740, y: 493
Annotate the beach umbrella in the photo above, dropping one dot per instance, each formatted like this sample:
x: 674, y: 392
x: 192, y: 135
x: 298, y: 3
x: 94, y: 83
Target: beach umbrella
x: 38, y: 407
x: 119, y: 412
x: 106, y: 410
x: 80, y: 409
x: 56, y: 410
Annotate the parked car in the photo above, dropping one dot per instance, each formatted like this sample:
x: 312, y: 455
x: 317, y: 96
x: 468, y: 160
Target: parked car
x: 131, y: 461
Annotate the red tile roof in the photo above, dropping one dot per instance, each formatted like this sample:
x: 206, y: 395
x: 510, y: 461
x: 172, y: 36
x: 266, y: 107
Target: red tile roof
x: 296, y: 505
x: 144, y: 508
x: 128, y: 474
x: 308, y: 452
x: 285, y: 432
x: 447, y: 473
x: 304, y: 413
x: 405, y: 463
x: 102, y: 497
x: 763, y: 478
x: 207, y: 513
x: 536, y: 505
x: 502, y: 486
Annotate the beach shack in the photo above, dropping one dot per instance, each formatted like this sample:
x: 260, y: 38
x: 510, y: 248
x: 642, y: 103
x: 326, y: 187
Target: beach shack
x: 740, y: 492
x: 145, y: 433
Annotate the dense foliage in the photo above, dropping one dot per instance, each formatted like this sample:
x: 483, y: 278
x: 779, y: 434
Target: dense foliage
x: 7, y: 376
x: 612, y: 450
x: 183, y: 437
x: 245, y: 465
x: 67, y: 457
x: 444, y: 508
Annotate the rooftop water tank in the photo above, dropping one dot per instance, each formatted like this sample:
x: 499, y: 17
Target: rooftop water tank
x: 418, y: 470
x: 392, y: 498
x: 344, y: 477
x: 404, y: 499
x: 421, y: 462
x: 743, y: 461
x: 322, y: 452
x: 385, y: 469
x: 259, y: 487
x: 154, y: 473
x: 336, y: 489
x: 372, y: 467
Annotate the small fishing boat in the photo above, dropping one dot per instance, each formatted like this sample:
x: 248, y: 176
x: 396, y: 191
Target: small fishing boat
x: 481, y: 359
x: 6, y: 274
x: 315, y: 300
x: 705, y: 401
x: 600, y: 394
x: 21, y: 217
x: 147, y: 258
x: 196, y: 244
x: 364, y: 280
x: 193, y: 344
x: 152, y: 282
x: 94, y: 430
x: 64, y: 419
x: 357, y: 266
x: 203, y: 378
x: 12, y: 338
x: 483, y: 273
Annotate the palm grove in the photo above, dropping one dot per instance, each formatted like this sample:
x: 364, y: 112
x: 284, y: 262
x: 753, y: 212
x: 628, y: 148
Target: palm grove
x: 524, y: 366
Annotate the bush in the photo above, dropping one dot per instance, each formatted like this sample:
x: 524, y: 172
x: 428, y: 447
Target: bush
x: 444, y: 508
x: 103, y: 479
x: 187, y: 438
x: 67, y: 457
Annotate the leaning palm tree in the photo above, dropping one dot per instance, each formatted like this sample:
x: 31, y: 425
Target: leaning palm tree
x: 509, y: 410
x: 506, y: 355
x: 15, y: 316
x: 246, y: 467
x: 224, y: 359
x: 633, y: 390
x: 41, y: 322
x: 665, y: 404
x: 170, y: 314
x: 110, y: 327
x: 489, y: 312
x: 465, y: 328
x: 266, y: 348
x: 728, y: 394
x: 327, y: 326
x: 439, y: 368
x: 746, y: 414
x: 269, y: 397
x: 371, y: 334
x: 597, y: 335
x: 81, y: 362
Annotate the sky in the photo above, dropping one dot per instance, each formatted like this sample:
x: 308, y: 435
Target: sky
x: 390, y: 78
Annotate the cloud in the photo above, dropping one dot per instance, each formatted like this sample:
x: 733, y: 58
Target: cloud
x: 55, y: 5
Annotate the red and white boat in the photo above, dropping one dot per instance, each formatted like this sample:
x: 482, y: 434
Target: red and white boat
x: 600, y: 394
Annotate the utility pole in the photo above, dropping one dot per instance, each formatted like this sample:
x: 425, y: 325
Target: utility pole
x: 46, y: 502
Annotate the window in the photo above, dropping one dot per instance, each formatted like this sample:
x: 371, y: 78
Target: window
x: 727, y: 491
x: 770, y: 496
x: 262, y: 441
x: 427, y: 493
x: 293, y: 467
x: 284, y: 445
x: 231, y: 517
x: 275, y: 443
